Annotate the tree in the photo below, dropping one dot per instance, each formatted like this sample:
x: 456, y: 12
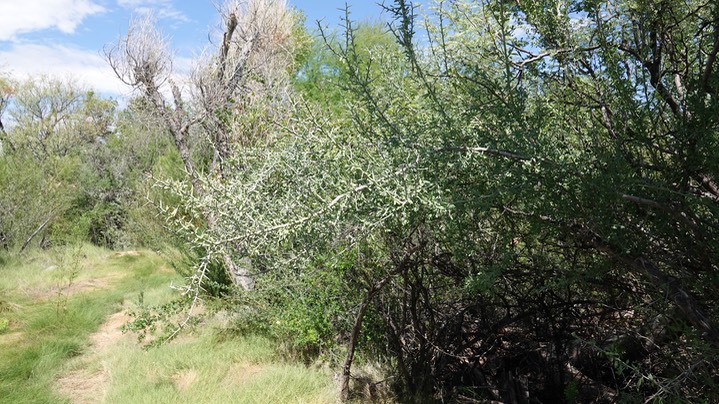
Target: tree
x: 56, y: 130
x: 6, y: 90
x: 322, y: 76
x: 53, y: 117
x: 251, y: 64
x: 522, y: 199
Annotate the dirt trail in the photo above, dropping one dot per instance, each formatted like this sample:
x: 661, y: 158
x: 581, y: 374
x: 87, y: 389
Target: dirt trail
x: 89, y: 377
x: 90, y: 381
x: 110, y: 333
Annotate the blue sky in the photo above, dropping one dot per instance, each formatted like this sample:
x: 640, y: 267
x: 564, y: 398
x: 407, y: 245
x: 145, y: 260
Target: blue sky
x: 65, y: 37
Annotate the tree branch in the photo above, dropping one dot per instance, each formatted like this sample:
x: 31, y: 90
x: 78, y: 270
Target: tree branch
x: 656, y: 205
x: 709, y: 184
x: 38, y: 230
x: 655, y: 78
x: 711, y: 58
x: 675, y: 291
x: 486, y: 150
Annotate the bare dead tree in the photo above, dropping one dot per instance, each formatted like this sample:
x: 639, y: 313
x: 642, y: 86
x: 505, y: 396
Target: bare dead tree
x: 255, y: 51
x: 143, y: 61
x: 250, y: 65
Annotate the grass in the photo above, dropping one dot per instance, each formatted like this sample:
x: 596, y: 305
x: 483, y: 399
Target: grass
x: 52, y: 305
x: 53, y: 301
x: 208, y: 371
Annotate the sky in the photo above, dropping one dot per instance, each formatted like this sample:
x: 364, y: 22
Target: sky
x: 65, y: 38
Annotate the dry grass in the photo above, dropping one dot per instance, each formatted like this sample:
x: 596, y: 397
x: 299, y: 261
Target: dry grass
x: 64, y: 343
x: 194, y: 368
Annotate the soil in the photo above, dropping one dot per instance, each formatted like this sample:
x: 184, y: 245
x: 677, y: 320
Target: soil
x: 242, y: 373
x: 184, y: 379
x: 75, y: 287
x: 89, y: 385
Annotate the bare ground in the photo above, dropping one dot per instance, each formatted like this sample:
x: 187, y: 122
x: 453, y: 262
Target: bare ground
x: 184, y: 379
x: 75, y: 287
x: 89, y: 385
x: 11, y: 338
x: 240, y: 373
x: 90, y: 379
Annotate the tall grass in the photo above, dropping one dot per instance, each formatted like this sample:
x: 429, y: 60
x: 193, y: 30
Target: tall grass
x: 51, y: 308
x: 205, y: 370
x: 52, y: 302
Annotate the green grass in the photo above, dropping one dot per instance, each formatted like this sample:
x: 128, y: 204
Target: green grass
x: 51, y: 308
x: 52, y: 302
x: 207, y: 371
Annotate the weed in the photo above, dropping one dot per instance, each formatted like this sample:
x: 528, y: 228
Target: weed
x: 70, y: 269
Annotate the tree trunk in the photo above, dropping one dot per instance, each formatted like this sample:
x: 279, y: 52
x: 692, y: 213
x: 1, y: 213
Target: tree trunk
x: 38, y: 230
x: 180, y: 132
x: 682, y: 298
x: 346, y: 369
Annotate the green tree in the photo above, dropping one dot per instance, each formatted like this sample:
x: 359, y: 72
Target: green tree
x: 522, y: 199
x: 59, y: 180
x: 322, y: 75
x: 52, y: 118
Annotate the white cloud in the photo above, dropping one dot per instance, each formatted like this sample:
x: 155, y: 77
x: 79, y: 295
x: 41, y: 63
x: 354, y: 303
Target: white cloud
x: 88, y: 67
x: 18, y: 17
x: 132, y: 3
x: 161, y: 8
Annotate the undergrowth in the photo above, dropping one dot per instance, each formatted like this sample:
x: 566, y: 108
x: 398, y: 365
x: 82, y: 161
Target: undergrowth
x: 51, y: 303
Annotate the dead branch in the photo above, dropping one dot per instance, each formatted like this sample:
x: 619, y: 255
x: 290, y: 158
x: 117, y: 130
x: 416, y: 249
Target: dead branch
x: 38, y: 230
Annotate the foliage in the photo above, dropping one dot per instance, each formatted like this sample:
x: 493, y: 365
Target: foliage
x: 322, y: 77
x: 55, y: 118
x: 515, y: 195
x: 72, y: 169
x: 31, y: 194
x: 206, y: 369
x: 247, y: 76
x: 521, y: 178
x: 42, y: 350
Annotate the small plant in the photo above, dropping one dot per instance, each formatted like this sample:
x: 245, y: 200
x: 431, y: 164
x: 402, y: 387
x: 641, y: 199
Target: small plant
x: 571, y: 392
x: 148, y: 319
x: 70, y: 270
x: 6, y: 307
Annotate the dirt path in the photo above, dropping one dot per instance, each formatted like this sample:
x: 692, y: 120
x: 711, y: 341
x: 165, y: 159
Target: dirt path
x: 89, y: 382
